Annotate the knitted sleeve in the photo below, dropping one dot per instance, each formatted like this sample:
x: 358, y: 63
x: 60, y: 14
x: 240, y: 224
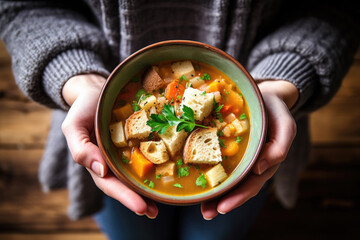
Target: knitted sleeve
x: 48, y: 44
x: 312, y: 53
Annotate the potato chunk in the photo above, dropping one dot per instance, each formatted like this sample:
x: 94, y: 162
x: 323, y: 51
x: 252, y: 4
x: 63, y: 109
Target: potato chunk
x: 183, y: 68
x: 117, y: 134
x: 165, y: 169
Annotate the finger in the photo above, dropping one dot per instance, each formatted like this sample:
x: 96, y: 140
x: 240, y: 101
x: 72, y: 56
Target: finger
x: 281, y: 132
x: 152, y: 210
x: 245, y: 191
x: 209, y: 209
x: 77, y: 128
x: 112, y: 187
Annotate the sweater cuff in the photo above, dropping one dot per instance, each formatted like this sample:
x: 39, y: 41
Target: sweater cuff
x: 64, y: 66
x: 289, y: 67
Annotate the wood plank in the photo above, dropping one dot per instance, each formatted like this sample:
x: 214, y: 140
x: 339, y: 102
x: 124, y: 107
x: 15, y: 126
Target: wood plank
x: 23, y: 206
x: 54, y: 236
x: 26, y: 123
x: 338, y: 122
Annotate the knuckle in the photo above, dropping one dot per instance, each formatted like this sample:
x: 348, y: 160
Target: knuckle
x: 80, y: 157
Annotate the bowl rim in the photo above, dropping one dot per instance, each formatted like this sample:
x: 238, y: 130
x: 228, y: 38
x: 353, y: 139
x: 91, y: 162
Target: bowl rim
x: 172, y: 201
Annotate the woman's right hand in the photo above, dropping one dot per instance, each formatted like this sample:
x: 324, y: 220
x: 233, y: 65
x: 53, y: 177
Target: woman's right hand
x: 82, y: 92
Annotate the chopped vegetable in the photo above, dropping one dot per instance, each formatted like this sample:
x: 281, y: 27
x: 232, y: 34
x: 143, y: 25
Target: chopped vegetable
x: 242, y: 116
x: 160, y: 122
x: 124, y: 159
x: 179, y: 162
x: 201, y: 181
x: 226, y: 108
x: 221, y: 142
x: 140, y: 164
x: 158, y: 176
x: 173, y: 90
x: 123, y: 112
x: 238, y: 139
x: 183, y: 78
x: 151, y: 184
x: 232, y: 147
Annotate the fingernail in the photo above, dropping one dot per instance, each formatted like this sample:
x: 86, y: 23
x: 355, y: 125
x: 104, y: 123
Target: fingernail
x: 97, y: 168
x: 223, y: 213
x: 207, y: 219
x: 263, y: 166
x: 139, y: 214
x: 150, y: 217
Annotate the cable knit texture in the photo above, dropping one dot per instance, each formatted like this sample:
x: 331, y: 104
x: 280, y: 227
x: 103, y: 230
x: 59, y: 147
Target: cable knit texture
x: 50, y: 41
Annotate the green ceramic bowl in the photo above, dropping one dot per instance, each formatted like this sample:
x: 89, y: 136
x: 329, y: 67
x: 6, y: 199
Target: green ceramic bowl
x: 175, y: 50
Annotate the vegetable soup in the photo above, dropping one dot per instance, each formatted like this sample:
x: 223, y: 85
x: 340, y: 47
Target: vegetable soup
x: 180, y: 127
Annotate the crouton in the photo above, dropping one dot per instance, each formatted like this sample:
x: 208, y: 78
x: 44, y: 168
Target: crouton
x: 154, y: 151
x: 202, y: 147
x: 200, y: 103
x: 183, y: 68
x: 173, y: 140
x: 216, y: 175
x: 165, y: 169
x: 117, y: 134
x: 152, y: 80
x: 148, y: 102
x: 136, y: 127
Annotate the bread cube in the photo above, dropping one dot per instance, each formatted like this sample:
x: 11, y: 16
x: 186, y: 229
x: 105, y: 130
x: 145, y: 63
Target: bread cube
x: 148, y: 103
x: 154, y: 151
x: 173, y: 140
x: 200, y: 103
x: 183, y: 68
x: 165, y: 169
x: 152, y: 80
x: 216, y: 175
x: 202, y: 147
x: 117, y: 134
x: 136, y: 127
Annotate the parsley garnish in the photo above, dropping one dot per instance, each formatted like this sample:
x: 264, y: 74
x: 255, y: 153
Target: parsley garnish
x: 179, y: 162
x: 238, y: 139
x: 243, y: 116
x: 182, y: 78
x: 197, y: 167
x: 124, y: 159
x: 203, y: 93
x: 183, y: 171
x: 220, y: 133
x: 151, y: 184
x: 221, y: 141
x: 178, y: 185
x: 135, y: 106
x: 217, y: 108
x: 160, y: 122
x: 201, y: 181
x: 205, y: 77
x: 158, y: 176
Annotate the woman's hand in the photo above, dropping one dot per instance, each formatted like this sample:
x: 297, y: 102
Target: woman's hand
x: 82, y: 92
x: 279, y: 96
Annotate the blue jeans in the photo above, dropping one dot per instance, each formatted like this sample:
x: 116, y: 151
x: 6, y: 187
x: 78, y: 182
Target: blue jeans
x: 178, y: 223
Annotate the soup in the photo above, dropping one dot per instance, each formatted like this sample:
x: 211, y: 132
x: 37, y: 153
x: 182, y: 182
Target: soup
x: 180, y: 127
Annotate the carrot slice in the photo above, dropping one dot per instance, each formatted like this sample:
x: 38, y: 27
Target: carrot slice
x: 139, y: 163
x: 173, y: 90
x: 230, y: 149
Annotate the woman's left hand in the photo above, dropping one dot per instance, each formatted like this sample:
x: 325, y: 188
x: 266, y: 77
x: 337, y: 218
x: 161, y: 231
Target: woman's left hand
x: 279, y: 96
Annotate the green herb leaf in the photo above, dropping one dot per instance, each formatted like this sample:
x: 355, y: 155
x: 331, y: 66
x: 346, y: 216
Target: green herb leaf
x: 146, y: 181
x: 125, y: 159
x: 201, y: 181
x: 205, y: 77
x: 203, y: 93
x: 151, y: 184
x: 221, y: 142
x: 160, y: 122
x: 158, y: 176
x: 183, y: 172
x: 243, y: 116
x: 135, y: 106
x: 139, y: 94
x: 238, y: 139
x: 220, y: 133
x: 178, y: 185
x: 197, y: 167
x: 182, y: 78
x: 179, y: 162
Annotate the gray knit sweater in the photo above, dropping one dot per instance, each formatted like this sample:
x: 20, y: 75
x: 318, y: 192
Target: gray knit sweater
x: 309, y: 45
